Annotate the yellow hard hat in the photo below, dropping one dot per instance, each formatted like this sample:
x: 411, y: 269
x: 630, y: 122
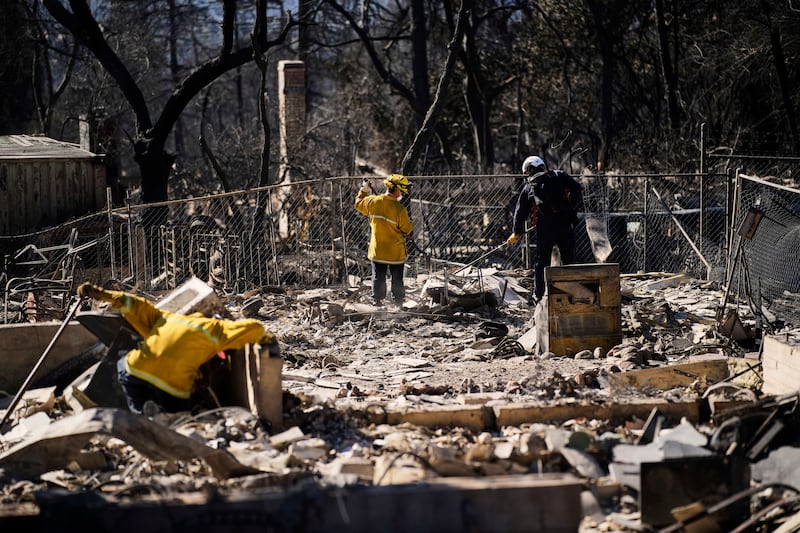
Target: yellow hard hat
x: 397, y: 181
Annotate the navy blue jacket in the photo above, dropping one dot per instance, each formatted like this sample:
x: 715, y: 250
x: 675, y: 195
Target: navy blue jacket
x: 555, y: 197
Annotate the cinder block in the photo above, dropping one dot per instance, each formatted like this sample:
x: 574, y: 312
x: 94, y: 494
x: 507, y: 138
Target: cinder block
x: 781, y: 364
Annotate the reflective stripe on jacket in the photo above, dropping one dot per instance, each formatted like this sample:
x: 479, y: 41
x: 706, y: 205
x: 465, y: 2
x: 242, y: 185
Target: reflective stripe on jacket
x: 390, y: 224
x: 175, y: 346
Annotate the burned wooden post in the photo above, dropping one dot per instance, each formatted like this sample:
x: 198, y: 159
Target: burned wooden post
x: 256, y: 384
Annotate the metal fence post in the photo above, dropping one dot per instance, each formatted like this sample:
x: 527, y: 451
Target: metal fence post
x: 731, y: 231
x: 272, y: 237
x: 726, y: 249
x: 342, y: 231
x: 527, y: 244
x: 644, y: 223
x: 111, y: 233
x: 131, y: 258
x: 701, y: 230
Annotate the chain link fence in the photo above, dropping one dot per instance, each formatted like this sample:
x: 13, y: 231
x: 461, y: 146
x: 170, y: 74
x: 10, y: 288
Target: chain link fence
x: 765, y: 271
x: 681, y: 236
x: 308, y: 234
x: 40, y: 270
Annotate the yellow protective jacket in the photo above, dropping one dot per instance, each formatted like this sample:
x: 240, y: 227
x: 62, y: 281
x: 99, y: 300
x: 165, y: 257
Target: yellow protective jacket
x: 175, y: 346
x: 390, y: 224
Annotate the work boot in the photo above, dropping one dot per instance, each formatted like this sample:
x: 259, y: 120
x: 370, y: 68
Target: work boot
x: 399, y: 302
x: 378, y: 302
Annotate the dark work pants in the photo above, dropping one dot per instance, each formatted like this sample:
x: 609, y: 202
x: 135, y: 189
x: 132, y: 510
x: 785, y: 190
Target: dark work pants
x: 379, y: 281
x: 139, y: 391
x: 550, y: 233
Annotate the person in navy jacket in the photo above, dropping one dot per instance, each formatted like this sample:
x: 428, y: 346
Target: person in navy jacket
x: 553, y: 199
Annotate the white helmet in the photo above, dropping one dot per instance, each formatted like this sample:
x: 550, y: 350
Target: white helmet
x: 533, y: 162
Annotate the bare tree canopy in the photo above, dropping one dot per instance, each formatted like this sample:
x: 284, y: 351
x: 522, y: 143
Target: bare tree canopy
x: 151, y: 133
x: 621, y: 83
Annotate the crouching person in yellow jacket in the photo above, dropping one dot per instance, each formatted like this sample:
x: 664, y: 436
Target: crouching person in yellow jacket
x: 165, y: 365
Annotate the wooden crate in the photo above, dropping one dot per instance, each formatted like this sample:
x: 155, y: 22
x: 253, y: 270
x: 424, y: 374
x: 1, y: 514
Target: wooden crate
x: 583, y: 307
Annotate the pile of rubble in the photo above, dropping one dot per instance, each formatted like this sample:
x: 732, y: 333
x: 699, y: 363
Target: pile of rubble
x: 447, y: 395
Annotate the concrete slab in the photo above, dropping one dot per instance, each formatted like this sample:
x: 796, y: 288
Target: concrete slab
x: 24, y: 344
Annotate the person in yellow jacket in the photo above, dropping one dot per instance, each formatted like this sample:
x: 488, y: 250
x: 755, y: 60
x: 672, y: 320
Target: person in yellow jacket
x: 165, y: 365
x: 390, y: 225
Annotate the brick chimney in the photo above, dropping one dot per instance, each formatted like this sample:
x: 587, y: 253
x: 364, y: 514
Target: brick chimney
x: 291, y: 107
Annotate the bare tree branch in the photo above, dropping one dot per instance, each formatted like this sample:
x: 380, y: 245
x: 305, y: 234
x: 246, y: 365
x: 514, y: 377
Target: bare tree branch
x: 82, y: 24
x: 432, y: 116
x: 367, y: 41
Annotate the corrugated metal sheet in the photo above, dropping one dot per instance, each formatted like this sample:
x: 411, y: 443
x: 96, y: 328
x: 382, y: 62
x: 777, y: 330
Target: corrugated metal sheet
x: 39, y: 147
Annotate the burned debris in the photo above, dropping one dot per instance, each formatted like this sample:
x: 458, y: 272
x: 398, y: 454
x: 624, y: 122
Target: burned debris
x: 626, y: 398
x: 451, y: 397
